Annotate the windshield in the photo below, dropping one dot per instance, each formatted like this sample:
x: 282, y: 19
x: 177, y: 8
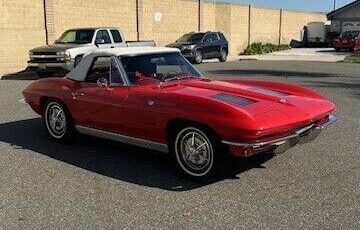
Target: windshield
x: 76, y: 37
x: 159, y: 67
x: 350, y: 34
x: 191, y: 37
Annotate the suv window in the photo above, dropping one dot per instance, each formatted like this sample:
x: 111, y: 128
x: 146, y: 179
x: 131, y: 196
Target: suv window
x: 211, y: 37
x: 222, y: 37
x: 214, y: 37
x: 76, y: 37
x: 116, y: 36
x: 103, y: 35
x: 100, y: 68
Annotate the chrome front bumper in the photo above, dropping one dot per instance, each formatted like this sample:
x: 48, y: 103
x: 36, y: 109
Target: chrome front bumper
x: 282, y: 144
x: 61, y: 65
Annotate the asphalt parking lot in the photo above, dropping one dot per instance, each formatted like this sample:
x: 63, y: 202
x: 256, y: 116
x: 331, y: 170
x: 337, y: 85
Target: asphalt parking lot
x: 98, y: 184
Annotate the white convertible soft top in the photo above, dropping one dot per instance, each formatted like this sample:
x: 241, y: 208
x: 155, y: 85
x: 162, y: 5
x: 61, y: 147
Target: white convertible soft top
x: 80, y: 71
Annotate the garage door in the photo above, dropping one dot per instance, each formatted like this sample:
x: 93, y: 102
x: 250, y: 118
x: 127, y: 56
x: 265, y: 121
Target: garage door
x: 351, y: 26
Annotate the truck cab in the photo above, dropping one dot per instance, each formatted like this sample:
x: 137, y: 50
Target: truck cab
x: 68, y: 50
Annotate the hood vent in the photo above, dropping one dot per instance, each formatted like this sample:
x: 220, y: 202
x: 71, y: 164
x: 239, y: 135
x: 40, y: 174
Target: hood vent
x: 231, y: 99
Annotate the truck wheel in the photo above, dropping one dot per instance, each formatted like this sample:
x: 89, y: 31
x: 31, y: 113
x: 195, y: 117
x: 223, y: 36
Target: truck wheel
x: 223, y: 55
x: 58, y: 122
x: 197, y: 153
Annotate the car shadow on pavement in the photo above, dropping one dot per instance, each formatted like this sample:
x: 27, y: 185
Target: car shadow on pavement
x: 115, y: 160
x: 25, y: 74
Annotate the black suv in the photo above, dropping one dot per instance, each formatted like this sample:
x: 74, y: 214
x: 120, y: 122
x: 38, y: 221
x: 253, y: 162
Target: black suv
x: 198, y: 46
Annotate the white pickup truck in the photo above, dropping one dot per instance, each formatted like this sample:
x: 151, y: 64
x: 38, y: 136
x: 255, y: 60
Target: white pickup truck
x: 68, y: 50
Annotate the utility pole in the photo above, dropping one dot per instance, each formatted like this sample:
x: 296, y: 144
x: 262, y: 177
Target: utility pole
x: 199, y: 15
x: 334, y: 4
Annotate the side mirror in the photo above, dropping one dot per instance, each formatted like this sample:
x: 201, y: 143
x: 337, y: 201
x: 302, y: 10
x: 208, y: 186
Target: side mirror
x: 102, y: 82
x: 99, y: 42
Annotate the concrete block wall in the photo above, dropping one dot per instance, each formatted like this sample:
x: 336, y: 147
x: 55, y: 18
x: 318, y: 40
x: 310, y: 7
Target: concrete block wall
x: 91, y: 13
x: 239, y: 31
x: 264, y: 25
x: 207, y: 18
x: 294, y: 21
x: 21, y: 27
x: 166, y: 20
x: 25, y: 24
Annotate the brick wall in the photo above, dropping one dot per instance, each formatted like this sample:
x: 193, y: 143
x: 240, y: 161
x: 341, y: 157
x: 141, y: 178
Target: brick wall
x: 166, y: 20
x: 265, y: 25
x: 293, y: 23
x: 22, y: 22
x: 21, y: 27
x: 94, y: 13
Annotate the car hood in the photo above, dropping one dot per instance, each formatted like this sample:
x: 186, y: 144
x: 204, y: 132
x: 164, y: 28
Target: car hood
x: 179, y: 44
x: 271, y: 106
x: 56, y: 47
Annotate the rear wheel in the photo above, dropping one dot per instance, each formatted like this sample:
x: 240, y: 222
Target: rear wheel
x: 223, y: 55
x: 197, y: 153
x: 58, y: 122
x: 337, y: 49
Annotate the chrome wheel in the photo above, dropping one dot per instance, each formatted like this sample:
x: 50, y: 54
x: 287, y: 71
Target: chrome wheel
x: 194, y: 152
x: 55, y: 120
x: 198, y: 57
x: 223, y: 55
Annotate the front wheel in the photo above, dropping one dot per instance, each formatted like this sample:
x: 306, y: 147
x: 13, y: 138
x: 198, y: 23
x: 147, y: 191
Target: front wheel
x: 197, y: 153
x: 58, y: 122
x: 198, y: 57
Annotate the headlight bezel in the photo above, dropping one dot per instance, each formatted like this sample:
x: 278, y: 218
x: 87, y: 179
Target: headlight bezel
x: 65, y: 55
x: 188, y: 47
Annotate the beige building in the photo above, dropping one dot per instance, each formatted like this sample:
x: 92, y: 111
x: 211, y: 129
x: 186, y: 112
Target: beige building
x: 25, y: 24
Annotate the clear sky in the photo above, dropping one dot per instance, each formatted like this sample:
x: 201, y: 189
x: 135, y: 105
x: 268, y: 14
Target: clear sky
x: 306, y: 5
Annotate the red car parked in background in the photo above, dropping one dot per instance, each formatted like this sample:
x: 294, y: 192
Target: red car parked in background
x: 348, y: 40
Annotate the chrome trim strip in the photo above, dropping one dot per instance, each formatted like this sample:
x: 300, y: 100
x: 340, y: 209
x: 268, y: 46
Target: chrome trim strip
x: 279, y: 141
x: 332, y: 120
x: 45, y: 56
x: 123, y: 139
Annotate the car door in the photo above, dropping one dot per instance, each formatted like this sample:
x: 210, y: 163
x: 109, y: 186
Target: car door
x: 216, y: 45
x: 206, y: 46
x: 103, y: 39
x: 99, y: 103
x: 117, y: 38
x: 210, y: 45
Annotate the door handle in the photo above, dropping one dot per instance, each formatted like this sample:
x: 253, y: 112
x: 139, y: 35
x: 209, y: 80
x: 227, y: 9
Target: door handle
x: 112, y: 46
x: 76, y: 94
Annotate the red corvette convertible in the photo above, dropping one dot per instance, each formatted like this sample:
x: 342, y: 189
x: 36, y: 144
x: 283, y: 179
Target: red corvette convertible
x: 154, y: 98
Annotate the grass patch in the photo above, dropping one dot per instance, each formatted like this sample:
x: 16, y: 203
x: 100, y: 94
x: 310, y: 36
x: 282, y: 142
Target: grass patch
x: 354, y: 58
x: 263, y: 48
